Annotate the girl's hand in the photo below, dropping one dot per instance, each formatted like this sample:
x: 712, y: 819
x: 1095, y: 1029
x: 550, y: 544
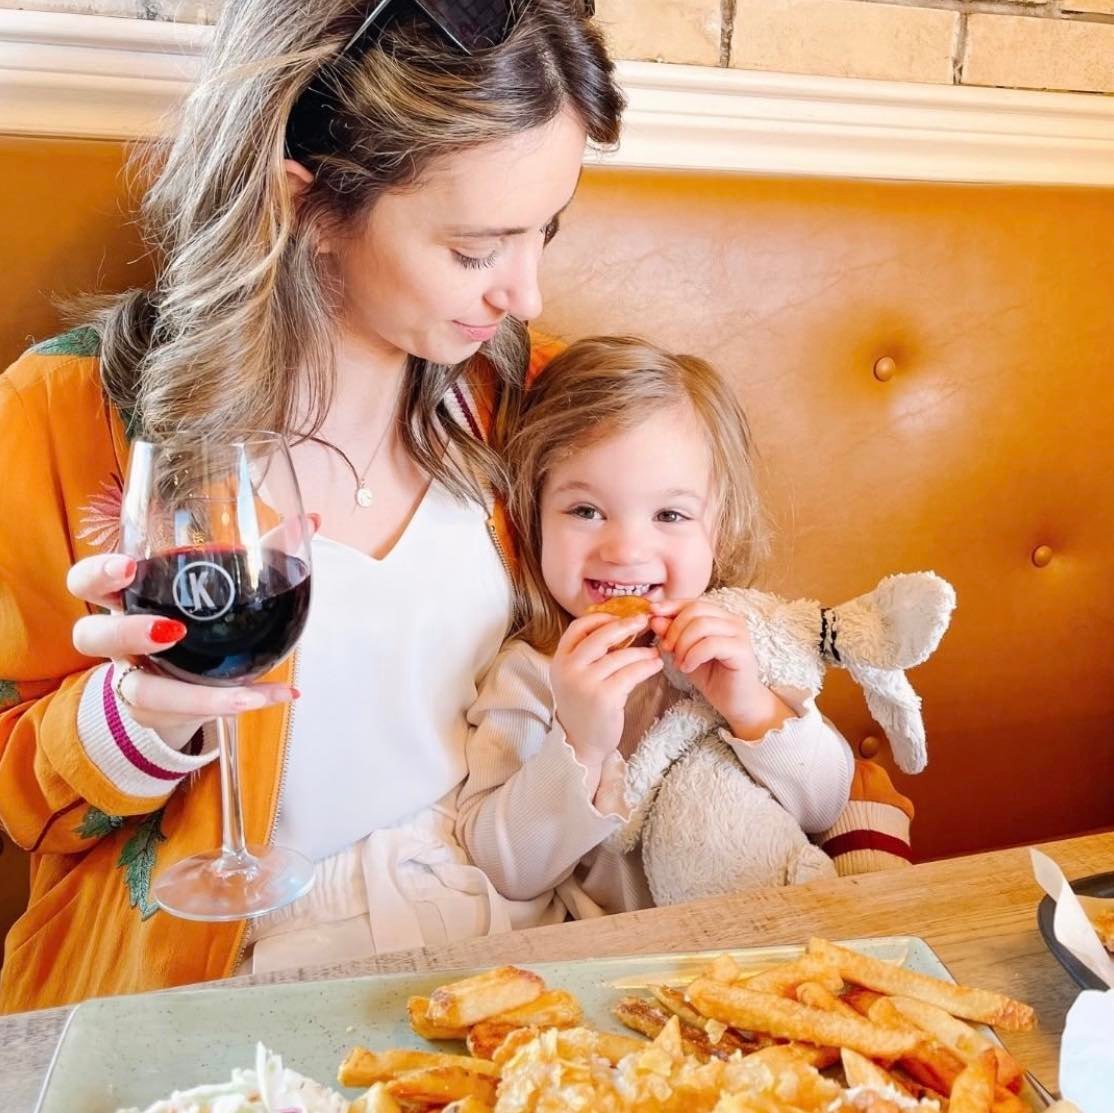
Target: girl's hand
x: 712, y: 647
x: 174, y: 709
x: 592, y: 681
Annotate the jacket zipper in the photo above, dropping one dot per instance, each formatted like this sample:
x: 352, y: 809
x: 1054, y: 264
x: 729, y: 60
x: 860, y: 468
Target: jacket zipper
x: 494, y: 533
x: 243, y: 945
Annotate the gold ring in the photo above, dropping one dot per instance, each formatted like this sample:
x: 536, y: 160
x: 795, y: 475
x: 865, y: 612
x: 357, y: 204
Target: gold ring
x: 118, y: 684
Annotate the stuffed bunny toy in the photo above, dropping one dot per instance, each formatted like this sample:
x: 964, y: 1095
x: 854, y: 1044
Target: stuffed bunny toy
x: 705, y: 827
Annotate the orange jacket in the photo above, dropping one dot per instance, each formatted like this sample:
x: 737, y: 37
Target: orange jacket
x: 90, y: 927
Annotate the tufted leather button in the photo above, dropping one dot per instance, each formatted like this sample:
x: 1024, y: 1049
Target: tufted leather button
x: 1042, y: 556
x: 869, y: 746
x: 884, y: 369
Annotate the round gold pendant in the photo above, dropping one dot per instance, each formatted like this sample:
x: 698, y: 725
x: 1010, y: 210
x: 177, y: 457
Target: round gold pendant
x: 363, y: 497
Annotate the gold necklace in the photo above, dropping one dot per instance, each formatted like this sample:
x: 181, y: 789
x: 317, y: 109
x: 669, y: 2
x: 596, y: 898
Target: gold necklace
x: 363, y: 496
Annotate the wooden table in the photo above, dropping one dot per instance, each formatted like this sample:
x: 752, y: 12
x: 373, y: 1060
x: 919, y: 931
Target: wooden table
x: 977, y: 912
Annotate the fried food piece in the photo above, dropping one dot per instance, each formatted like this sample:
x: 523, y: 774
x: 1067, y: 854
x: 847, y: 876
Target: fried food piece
x: 648, y: 1019
x: 555, y: 1008
x: 861, y: 1071
x: 765, y: 1012
x: 362, y: 1067
x: 442, y: 1084
x: 723, y: 968
x: 973, y: 1091
x: 376, y: 1100
x: 621, y: 606
x: 614, y: 1047
x: 814, y: 994
x: 971, y: 1004
x: 485, y: 1039
x: 467, y: 1002
x: 785, y: 978
x: 1101, y: 914
x: 469, y: 1104
x: 418, y: 1009
x: 957, y: 1034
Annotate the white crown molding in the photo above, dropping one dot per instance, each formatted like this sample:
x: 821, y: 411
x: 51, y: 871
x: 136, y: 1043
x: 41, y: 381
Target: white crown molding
x: 104, y: 77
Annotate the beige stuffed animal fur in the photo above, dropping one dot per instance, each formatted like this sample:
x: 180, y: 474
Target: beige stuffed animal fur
x: 705, y: 827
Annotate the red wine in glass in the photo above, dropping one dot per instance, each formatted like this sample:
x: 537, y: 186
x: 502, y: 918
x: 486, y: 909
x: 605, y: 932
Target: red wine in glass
x: 240, y: 621
x: 222, y: 545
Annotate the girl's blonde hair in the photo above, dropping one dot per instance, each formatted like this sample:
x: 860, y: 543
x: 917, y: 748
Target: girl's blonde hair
x: 243, y: 301
x: 602, y: 386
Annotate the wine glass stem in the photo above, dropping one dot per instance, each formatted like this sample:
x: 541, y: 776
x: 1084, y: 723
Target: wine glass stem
x: 234, y: 851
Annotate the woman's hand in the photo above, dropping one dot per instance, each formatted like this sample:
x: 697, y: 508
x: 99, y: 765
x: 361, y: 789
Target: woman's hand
x: 592, y: 679
x: 174, y: 709
x: 712, y: 647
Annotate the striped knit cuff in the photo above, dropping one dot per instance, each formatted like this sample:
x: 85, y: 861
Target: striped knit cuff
x: 134, y: 758
x: 868, y: 836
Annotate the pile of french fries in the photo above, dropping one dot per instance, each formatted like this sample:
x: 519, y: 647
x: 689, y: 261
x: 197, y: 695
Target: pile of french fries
x: 785, y: 1040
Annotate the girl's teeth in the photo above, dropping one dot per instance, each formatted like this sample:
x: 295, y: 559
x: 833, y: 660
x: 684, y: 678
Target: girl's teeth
x: 622, y: 589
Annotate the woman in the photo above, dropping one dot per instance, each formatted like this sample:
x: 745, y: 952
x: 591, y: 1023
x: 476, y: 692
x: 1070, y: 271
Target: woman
x: 350, y: 222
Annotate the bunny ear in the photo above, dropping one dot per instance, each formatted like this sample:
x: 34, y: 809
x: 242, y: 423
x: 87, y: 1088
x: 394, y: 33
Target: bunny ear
x: 895, y: 626
x: 897, y: 710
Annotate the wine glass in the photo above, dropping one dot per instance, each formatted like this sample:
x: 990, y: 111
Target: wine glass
x: 222, y: 545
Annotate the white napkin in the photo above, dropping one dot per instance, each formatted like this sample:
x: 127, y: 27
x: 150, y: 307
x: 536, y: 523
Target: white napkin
x: 1087, y: 1051
x: 1070, y: 924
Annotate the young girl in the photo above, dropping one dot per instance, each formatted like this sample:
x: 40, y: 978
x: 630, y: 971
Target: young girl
x: 632, y: 476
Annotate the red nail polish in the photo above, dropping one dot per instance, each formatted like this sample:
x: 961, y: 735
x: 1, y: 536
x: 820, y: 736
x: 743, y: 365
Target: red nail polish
x: 167, y: 630
x: 295, y: 693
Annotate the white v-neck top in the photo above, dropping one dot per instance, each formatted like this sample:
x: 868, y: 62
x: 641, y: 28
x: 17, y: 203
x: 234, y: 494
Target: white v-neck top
x: 388, y: 666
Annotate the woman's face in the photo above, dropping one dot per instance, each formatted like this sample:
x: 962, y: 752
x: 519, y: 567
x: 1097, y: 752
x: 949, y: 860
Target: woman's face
x: 434, y: 269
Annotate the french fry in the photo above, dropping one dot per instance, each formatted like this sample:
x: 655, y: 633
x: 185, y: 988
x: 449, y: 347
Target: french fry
x: 861, y: 1071
x: 723, y: 968
x: 469, y: 1104
x: 971, y: 1004
x: 440, y: 1085
x: 785, y: 978
x: 614, y: 1047
x: 814, y: 994
x: 515, y: 1039
x: 673, y: 1000
x: 776, y: 1055
x: 765, y: 1012
x: 485, y: 1039
x: 555, y: 1008
x: 973, y: 1091
x: 418, y: 1009
x: 376, y: 1100
x: 931, y: 1062
x: 648, y: 1019
x: 858, y: 998
x: 470, y: 1000
x: 363, y: 1068
x: 957, y: 1034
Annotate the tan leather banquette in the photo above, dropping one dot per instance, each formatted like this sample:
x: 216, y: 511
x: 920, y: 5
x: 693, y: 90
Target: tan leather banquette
x: 928, y: 370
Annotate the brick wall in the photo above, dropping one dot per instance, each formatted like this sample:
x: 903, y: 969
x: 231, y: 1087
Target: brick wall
x: 1028, y: 44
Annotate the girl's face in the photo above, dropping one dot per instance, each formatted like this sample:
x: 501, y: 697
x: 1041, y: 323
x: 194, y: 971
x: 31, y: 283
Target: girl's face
x: 632, y: 514
x: 434, y: 269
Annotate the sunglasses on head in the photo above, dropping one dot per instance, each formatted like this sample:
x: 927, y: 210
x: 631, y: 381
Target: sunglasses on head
x: 470, y: 25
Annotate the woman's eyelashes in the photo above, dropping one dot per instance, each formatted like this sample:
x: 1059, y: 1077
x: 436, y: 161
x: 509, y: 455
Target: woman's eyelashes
x: 475, y: 262
x: 479, y: 262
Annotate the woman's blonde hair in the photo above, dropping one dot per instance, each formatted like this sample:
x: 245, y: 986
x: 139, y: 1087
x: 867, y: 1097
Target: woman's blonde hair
x: 602, y: 386
x: 242, y: 300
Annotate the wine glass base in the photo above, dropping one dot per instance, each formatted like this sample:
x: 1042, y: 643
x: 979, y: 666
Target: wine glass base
x: 216, y: 887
